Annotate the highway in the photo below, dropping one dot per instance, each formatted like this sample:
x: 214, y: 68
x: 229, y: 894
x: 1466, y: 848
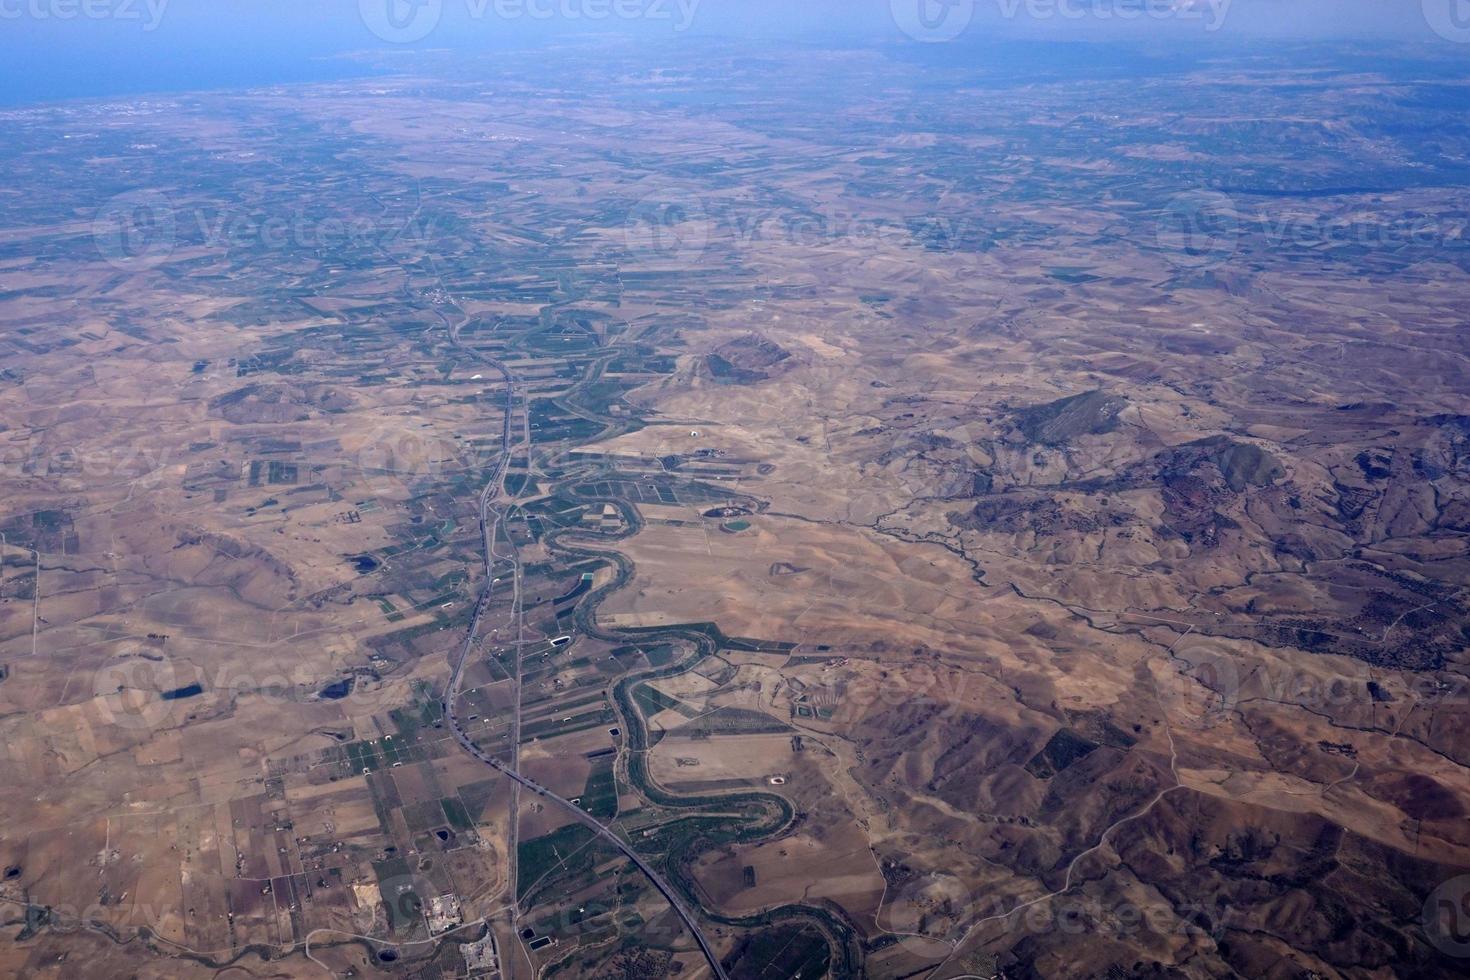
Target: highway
x: 492, y: 511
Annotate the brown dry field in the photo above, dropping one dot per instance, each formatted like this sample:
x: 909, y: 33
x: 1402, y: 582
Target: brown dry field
x: 1201, y: 639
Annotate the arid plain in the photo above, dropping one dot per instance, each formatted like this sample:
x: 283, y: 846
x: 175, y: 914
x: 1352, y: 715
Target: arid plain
x: 942, y: 532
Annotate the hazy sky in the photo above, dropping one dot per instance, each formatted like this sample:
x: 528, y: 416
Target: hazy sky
x: 68, y: 48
